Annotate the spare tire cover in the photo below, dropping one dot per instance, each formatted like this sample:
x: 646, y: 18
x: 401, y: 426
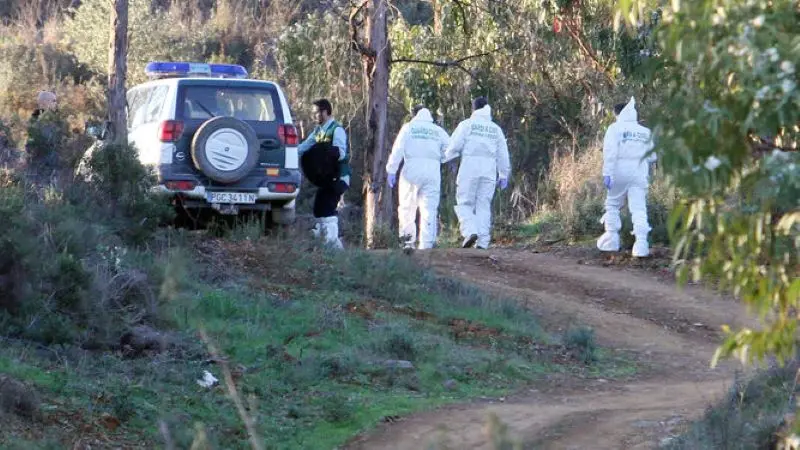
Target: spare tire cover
x: 320, y: 164
x: 225, y: 149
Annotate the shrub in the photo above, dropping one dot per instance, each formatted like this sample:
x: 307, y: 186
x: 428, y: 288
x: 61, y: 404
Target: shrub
x: 226, y: 33
x: 65, y: 274
x: 30, y: 66
x: 337, y: 408
x: 573, y: 193
x: 581, y: 340
x: 121, y: 183
x: 396, y: 341
x: 46, y: 137
x: 748, y: 417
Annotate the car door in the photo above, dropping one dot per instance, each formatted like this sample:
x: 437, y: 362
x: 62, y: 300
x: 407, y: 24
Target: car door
x: 147, y: 138
x: 137, y: 101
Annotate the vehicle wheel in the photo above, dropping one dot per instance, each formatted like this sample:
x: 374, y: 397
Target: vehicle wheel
x: 225, y: 149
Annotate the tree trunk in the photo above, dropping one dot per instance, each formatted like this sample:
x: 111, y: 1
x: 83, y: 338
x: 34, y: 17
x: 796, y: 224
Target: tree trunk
x: 437, y: 17
x: 377, y: 196
x: 117, y: 69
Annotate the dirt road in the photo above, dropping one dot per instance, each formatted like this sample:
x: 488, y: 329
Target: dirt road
x: 672, y: 332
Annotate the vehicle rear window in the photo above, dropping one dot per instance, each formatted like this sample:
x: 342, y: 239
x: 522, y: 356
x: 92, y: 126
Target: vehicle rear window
x: 201, y: 102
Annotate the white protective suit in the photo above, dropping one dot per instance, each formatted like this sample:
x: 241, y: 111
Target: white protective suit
x: 625, y: 159
x: 420, y: 144
x: 484, y: 158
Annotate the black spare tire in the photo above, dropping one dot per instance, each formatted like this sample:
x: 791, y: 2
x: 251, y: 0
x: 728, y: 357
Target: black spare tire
x: 320, y: 164
x: 225, y: 149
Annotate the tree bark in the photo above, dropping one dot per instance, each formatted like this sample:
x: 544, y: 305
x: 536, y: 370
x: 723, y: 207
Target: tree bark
x: 117, y: 70
x: 376, y: 64
x: 437, y: 17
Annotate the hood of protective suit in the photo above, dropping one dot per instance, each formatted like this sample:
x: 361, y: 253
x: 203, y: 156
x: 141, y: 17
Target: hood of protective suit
x: 424, y: 114
x: 484, y: 113
x: 628, y: 113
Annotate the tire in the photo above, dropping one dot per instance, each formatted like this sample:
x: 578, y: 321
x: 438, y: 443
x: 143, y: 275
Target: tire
x: 225, y: 149
x: 283, y: 216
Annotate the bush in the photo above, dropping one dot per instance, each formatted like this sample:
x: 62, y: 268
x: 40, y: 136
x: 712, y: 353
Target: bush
x: 65, y: 269
x: 396, y: 342
x: 748, y: 418
x: 151, y: 37
x: 121, y: 183
x: 46, y: 137
x: 337, y: 408
x: 28, y: 67
x: 227, y: 33
x: 573, y: 193
x: 581, y: 340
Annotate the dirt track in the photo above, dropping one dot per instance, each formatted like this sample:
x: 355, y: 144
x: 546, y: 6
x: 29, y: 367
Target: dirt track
x: 673, y: 332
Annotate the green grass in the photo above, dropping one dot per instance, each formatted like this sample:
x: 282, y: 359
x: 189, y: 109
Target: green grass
x: 310, y: 333
x: 748, y: 418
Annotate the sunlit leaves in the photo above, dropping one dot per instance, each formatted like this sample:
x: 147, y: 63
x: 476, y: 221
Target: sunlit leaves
x: 732, y: 97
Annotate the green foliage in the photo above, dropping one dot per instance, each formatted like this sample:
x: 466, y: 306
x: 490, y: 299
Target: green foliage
x: 397, y: 342
x: 126, y: 187
x: 46, y: 137
x: 748, y: 417
x: 337, y: 408
x: 582, y: 341
x: 153, y: 36
x: 637, y: 49
x: 65, y: 263
x: 729, y: 78
x: 30, y: 66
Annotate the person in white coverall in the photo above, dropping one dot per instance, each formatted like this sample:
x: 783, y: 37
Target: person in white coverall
x: 485, y: 164
x: 626, y: 167
x: 420, y: 145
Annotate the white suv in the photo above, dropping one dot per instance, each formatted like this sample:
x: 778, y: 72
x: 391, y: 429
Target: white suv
x: 217, y: 139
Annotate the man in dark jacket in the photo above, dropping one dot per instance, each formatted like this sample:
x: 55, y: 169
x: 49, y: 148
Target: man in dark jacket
x: 327, y: 136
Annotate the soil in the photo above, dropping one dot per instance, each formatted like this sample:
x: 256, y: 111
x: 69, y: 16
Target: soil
x: 672, y: 332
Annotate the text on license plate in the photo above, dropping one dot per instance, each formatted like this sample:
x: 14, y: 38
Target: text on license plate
x: 231, y: 197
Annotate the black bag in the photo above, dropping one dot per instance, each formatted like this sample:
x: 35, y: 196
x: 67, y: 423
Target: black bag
x: 320, y: 164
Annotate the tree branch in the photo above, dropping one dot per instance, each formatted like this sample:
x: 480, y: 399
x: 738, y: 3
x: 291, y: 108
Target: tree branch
x: 355, y: 42
x: 447, y: 64
x: 461, y: 7
x: 586, y: 49
x: 451, y: 63
x: 761, y: 146
x: 444, y: 64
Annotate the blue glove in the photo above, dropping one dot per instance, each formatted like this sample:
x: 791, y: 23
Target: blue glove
x: 503, y: 183
x: 607, y: 182
x: 392, y: 180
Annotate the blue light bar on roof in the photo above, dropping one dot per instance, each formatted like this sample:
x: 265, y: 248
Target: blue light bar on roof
x: 159, y: 69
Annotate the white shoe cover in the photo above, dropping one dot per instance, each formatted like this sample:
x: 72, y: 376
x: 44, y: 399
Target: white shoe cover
x: 641, y: 248
x: 608, y: 242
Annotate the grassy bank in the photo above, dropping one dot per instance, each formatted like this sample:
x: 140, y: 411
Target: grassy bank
x: 320, y: 347
x: 751, y: 417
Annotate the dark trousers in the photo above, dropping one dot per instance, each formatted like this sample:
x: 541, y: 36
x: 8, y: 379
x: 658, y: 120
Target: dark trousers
x: 327, y: 198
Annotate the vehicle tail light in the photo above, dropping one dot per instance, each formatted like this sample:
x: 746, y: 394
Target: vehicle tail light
x: 283, y: 188
x: 180, y: 185
x: 288, y: 134
x: 170, y: 130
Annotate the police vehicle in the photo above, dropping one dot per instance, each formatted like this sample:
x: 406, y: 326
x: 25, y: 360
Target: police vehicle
x: 217, y: 139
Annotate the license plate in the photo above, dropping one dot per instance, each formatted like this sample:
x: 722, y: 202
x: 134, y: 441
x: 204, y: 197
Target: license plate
x: 231, y: 197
